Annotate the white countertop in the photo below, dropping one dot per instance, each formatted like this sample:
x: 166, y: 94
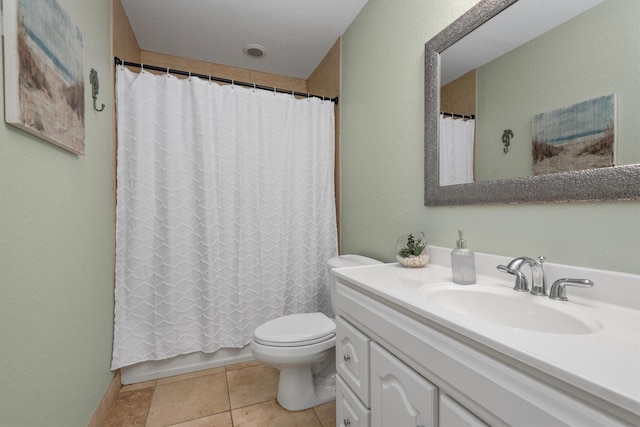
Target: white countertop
x: 605, y: 363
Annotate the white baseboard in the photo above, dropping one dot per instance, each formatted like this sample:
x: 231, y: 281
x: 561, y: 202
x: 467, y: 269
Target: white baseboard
x: 153, y: 370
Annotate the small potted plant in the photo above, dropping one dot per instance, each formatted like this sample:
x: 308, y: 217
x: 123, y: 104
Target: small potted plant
x: 412, y: 250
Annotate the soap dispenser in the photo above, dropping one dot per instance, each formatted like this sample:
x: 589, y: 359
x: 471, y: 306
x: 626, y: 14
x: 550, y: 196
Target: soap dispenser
x: 463, y: 263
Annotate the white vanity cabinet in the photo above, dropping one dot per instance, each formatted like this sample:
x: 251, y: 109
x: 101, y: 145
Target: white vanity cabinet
x: 399, y: 396
x: 398, y: 369
x: 370, y: 376
x: 452, y: 414
x: 352, y: 358
x: 352, y: 383
x: 350, y: 411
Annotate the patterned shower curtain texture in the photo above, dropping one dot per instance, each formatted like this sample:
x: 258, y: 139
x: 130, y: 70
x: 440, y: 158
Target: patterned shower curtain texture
x: 456, y: 150
x: 225, y: 213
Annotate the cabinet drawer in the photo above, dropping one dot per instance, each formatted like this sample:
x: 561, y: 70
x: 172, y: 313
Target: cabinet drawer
x: 452, y: 414
x: 350, y: 412
x: 352, y: 358
x: 400, y: 396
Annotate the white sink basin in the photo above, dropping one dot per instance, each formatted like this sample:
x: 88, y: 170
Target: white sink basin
x: 511, y: 309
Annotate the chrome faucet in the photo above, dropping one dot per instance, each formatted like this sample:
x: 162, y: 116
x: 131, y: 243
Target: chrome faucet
x: 521, y: 284
x: 538, y: 278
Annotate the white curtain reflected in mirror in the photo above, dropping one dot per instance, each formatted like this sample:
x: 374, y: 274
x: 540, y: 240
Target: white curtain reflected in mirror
x: 456, y: 150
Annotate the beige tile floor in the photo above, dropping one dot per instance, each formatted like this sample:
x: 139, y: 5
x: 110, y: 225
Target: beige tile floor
x: 242, y: 395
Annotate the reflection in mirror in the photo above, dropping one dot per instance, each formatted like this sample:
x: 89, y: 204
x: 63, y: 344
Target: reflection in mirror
x: 539, y: 69
x: 578, y: 55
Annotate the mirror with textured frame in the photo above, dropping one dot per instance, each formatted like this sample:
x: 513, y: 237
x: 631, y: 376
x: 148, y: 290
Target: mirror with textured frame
x: 607, y: 183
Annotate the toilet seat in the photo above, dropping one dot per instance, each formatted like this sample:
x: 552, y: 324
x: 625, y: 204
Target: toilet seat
x: 295, y: 330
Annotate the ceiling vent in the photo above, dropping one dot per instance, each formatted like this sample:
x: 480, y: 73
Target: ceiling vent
x: 255, y: 50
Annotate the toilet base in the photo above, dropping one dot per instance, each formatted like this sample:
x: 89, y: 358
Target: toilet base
x: 300, y: 389
x: 307, y: 372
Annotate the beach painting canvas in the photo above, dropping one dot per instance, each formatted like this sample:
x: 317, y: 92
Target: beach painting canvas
x: 578, y: 137
x: 44, y: 83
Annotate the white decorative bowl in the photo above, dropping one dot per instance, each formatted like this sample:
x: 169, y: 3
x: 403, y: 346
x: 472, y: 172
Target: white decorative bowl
x: 414, y: 261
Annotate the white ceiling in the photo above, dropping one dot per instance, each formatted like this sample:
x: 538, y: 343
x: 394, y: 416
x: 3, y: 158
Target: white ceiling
x: 297, y: 34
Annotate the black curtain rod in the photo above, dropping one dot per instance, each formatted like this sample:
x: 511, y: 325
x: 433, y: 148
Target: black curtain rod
x: 118, y: 61
x: 460, y: 116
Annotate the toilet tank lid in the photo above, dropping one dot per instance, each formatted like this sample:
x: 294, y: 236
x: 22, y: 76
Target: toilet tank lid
x: 351, y: 260
x: 295, y: 328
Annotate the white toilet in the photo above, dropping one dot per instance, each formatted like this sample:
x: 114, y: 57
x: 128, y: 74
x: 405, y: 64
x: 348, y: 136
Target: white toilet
x: 302, y: 347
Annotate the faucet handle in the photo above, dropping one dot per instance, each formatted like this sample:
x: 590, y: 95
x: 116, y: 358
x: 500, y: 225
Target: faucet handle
x: 542, y: 259
x: 558, y: 291
x: 521, y: 284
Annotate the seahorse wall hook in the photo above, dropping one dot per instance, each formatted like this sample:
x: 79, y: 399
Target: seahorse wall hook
x: 95, y: 86
x: 506, y: 139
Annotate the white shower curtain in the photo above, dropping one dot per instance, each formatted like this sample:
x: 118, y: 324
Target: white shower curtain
x: 225, y: 213
x: 456, y: 150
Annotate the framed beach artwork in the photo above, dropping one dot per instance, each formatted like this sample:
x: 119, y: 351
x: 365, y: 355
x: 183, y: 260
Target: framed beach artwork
x: 578, y: 137
x: 43, y: 72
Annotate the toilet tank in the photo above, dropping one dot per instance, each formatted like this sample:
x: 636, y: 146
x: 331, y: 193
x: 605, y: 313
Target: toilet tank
x: 345, y: 261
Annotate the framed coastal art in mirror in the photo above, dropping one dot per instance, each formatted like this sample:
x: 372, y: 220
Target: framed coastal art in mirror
x: 532, y: 61
x: 43, y: 72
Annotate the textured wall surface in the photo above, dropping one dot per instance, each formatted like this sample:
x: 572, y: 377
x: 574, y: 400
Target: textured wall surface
x: 56, y: 267
x: 382, y: 160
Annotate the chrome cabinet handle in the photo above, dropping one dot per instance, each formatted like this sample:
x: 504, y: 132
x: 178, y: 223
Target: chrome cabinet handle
x: 558, y: 292
x: 346, y: 358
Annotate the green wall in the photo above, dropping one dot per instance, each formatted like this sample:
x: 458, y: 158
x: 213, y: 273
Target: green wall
x: 381, y: 167
x: 56, y: 262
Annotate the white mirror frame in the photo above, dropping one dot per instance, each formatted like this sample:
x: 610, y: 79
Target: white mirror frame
x: 611, y: 183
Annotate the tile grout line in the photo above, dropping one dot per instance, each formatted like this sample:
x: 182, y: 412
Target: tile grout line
x: 226, y: 380
x: 317, y: 417
x: 146, y: 418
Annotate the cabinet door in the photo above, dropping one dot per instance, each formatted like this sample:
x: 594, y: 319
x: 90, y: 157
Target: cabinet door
x: 350, y: 412
x: 400, y: 397
x: 352, y: 358
x: 452, y: 414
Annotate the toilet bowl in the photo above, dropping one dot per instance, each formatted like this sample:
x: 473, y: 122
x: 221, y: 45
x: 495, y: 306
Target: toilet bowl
x: 302, y: 347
